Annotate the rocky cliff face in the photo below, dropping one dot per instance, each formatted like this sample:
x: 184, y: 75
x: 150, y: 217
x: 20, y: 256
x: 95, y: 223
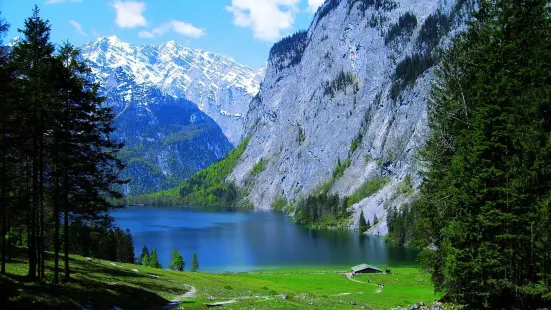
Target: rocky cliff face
x: 353, y: 86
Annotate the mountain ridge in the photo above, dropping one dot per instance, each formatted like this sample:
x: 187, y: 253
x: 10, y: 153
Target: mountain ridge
x: 219, y: 86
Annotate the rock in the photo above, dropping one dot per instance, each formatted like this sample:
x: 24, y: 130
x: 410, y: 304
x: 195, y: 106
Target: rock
x: 283, y: 296
x: 211, y: 298
x: 89, y: 259
x: 135, y: 270
x: 303, y: 120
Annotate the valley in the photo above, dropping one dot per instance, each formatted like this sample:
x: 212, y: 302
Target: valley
x: 361, y: 154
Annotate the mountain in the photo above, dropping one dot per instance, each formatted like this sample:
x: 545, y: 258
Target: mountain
x: 163, y: 96
x: 166, y: 139
x: 343, y: 106
x: 220, y: 87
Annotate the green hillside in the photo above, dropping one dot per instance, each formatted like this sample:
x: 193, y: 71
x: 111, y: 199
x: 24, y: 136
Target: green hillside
x: 99, y: 284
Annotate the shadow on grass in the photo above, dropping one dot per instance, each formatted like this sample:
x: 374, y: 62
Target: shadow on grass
x: 18, y: 293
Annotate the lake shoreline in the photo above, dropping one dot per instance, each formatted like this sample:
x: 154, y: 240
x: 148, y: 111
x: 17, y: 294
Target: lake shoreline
x: 244, y: 240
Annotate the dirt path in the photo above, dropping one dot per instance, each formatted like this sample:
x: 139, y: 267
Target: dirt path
x: 349, y: 277
x: 191, y: 293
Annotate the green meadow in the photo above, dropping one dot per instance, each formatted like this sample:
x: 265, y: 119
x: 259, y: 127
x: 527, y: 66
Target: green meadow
x: 99, y: 284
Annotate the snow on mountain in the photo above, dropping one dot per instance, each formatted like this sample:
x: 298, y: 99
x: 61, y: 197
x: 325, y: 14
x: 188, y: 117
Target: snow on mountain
x: 219, y: 86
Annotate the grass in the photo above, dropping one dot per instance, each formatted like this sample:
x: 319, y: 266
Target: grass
x: 367, y: 189
x: 101, y: 285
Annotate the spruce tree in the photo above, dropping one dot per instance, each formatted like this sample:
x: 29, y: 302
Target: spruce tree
x: 177, y: 261
x: 32, y: 59
x: 363, y: 225
x: 144, y: 257
x: 5, y: 143
x: 154, y: 260
x: 194, y: 263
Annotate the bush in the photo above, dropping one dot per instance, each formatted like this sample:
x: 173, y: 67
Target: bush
x: 258, y: 168
x: 279, y: 203
x: 367, y: 189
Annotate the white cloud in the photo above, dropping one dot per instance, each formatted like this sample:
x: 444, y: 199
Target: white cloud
x: 77, y: 27
x: 129, y: 14
x: 267, y: 18
x: 61, y: 1
x: 313, y: 5
x: 183, y: 28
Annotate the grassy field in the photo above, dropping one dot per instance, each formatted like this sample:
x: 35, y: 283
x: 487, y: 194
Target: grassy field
x: 103, y: 285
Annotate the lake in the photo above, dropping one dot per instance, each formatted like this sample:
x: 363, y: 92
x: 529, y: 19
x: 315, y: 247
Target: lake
x: 228, y: 239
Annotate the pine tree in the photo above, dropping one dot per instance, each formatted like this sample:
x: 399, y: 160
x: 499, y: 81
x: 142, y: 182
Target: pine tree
x: 194, y: 263
x: 5, y: 143
x: 144, y: 257
x: 363, y: 225
x: 154, y: 260
x: 33, y: 59
x: 177, y: 262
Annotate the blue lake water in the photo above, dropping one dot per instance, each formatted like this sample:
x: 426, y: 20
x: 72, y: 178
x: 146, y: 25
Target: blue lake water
x: 228, y: 239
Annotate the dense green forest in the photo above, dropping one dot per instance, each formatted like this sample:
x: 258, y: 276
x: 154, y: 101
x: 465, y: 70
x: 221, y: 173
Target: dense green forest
x: 482, y: 217
x: 207, y: 187
x: 59, y: 164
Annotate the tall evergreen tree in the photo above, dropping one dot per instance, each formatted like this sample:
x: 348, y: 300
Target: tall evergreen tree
x: 57, y: 155
x: 194, y: 263
x: 32, y: 61
x: 177, y: 262
x: 363, y: 224
x: 484, y: 208
x: 144, y: 257
x: 4, y: 141
x: 154, y: 260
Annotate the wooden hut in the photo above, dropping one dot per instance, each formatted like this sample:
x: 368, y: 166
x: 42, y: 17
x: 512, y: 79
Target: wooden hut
x: 364, y: 268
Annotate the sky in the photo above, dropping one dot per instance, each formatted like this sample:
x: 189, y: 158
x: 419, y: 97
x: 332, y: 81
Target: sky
x: 243, y: 30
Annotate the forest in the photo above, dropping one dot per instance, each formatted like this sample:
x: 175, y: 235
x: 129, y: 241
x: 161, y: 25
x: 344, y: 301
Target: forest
x: 59, y: 165
x: 482, y: 217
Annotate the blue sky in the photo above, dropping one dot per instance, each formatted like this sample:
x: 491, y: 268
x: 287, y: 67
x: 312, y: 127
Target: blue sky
x: 241, y: 29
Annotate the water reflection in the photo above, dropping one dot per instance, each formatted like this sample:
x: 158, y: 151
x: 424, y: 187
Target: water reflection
x: 234, y: 239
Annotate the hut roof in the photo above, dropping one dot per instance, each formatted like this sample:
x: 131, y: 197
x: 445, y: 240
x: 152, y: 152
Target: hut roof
x: 364, y: 266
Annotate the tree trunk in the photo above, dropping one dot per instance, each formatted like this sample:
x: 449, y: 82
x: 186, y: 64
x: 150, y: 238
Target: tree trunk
x: 4, y: 205
x: 66, y: 243
x: 41, y: 201
x: 32, y: 227
x: 56, y: 229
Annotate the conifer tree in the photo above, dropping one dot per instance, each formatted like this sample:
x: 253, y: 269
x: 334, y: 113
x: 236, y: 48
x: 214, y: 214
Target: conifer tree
x: 194, y: 263
x: 5, y: 144
x: 484, y: 208
x: 363, y: 224
x: 177, y: 261
x: 154, y: 260
x: 144, y: 257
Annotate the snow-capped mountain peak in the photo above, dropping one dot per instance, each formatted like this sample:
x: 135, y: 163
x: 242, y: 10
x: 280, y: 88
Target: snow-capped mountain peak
x: 219, y: 86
